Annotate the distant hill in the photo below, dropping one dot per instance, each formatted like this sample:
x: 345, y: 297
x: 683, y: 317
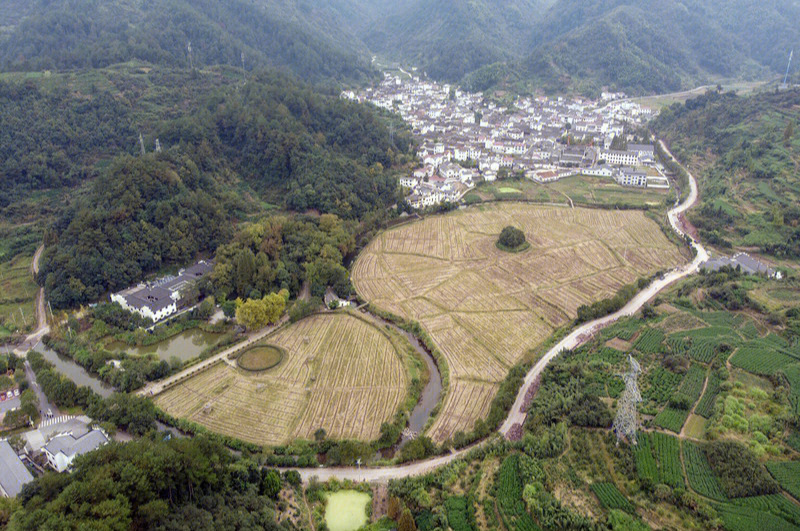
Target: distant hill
x: 646, y: 46
x: 639, y: 46
x: 67, y: 34
x: 451, y: 38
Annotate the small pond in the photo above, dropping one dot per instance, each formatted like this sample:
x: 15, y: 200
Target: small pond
x: 346, y: 510
x: 185, y: 346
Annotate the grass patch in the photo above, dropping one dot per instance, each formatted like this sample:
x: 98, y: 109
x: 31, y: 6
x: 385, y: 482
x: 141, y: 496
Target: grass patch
x: 260, y: 358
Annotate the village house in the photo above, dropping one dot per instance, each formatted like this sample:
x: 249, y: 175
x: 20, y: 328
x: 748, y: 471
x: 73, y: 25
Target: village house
x: 632, y: 177
x: 62, y: 449
x: 13, y: 473
x: 159, y: 299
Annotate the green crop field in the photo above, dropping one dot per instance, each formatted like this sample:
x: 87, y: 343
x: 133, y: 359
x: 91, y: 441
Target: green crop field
x: 705, y: 408
x: 787, y: 474
x: 611, y: 498
x: 650, y: 341
x: 701, y: 478
x: 671, y: 419
x: 658, y: 458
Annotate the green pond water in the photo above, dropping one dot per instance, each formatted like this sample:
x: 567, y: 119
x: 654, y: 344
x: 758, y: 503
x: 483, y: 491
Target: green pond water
x: 185, y: 346
x: 346, y: 510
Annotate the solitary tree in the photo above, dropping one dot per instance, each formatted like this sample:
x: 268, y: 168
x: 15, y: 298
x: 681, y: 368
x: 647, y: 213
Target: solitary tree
x: 511, y: 237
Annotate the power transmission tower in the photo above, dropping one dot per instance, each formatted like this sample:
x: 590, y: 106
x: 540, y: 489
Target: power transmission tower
x: 244, y: 72
x: 158, y: 146
x: 189, y: 49
x: 786, y: 76
x: 141, y: 143
x: 626, y: 423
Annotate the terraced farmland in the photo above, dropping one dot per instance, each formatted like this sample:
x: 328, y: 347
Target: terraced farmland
x: 485, y: 308
x: 340, y: 373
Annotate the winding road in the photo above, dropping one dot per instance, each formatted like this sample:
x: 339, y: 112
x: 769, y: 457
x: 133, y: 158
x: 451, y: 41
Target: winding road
x: 576, y: 338
x: 41, y: 317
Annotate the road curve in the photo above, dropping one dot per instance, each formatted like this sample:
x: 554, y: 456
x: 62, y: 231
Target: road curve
x: 576, y: 338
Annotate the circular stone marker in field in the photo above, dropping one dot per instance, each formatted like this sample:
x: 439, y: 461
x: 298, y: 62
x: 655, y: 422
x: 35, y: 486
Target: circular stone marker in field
x: 260, y: 358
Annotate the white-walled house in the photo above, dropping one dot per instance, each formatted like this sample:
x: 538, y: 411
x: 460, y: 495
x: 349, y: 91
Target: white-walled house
x: 62, y: 450
x: 159, y: 299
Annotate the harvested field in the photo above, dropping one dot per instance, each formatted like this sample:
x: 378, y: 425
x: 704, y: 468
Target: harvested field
x: 485, y: 308
x: 339, y: 373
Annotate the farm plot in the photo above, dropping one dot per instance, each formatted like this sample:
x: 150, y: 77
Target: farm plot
x: 701, y: 478
x: 339, y: 373
x: 484, y: 308
x: 658, y: 458
x: 762, y: 357
x: 787, y: 474
x: 611, y: 498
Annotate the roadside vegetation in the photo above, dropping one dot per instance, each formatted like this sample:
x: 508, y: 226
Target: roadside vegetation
x: 745, y: 151
x: 707, y: 351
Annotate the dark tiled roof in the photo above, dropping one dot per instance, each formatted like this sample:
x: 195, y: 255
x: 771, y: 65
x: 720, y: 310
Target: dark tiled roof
x: 13, y: 474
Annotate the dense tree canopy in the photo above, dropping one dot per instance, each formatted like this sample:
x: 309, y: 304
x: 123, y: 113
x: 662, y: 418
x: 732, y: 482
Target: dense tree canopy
x: 153, y: 484
x: 511, y: 237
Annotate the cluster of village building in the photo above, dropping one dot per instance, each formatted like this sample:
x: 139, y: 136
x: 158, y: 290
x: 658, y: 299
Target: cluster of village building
x: 54, y: 444
x: 465, y: 139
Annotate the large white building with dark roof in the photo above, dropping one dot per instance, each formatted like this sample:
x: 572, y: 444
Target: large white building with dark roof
x: 159, y: 299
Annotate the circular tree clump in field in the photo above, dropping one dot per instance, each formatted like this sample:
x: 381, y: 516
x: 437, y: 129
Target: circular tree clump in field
x: 512, y: 240
x: 260, y: 358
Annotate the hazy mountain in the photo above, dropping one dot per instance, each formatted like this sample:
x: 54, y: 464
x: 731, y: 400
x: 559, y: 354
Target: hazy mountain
x: 451, y: 38
x: 650, y: 46
x: 639, y: 46
x: 65, y: 34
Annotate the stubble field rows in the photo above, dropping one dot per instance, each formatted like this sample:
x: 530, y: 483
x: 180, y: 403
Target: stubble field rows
x: 484, y: 308
x: 340, y: 373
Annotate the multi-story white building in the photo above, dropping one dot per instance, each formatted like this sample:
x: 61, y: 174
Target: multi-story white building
x: 620, y: 158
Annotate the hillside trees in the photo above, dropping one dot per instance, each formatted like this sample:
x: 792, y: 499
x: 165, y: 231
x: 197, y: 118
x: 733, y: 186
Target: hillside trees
x: 66, y: 34
x: 145, y: 213
x: 152, y: 484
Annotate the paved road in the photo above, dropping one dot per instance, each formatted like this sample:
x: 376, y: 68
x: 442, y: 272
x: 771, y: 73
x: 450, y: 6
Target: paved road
x: 154, y: 388
x: 44, y: 404
x: 578, y: 336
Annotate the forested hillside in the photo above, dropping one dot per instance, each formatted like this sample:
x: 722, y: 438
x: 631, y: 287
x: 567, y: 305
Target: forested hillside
x: 229, y: 152
x: 451, y: 38
x: 154, y: 484
x: 747, y: 153
x: 645, y: 46
x: 66, y: 34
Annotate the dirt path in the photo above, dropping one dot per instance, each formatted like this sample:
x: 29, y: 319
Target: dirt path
x: 41, y: 317
x: 682, y: 434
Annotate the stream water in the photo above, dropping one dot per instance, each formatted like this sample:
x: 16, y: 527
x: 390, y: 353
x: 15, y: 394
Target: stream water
x: 430, y: 394
x: 74, y: 372
x: 184, y: 346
